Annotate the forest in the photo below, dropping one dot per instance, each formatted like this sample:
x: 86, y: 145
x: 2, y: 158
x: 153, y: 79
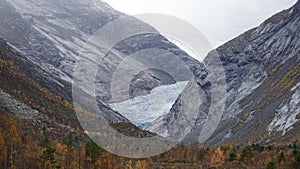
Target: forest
x: 19, y: 150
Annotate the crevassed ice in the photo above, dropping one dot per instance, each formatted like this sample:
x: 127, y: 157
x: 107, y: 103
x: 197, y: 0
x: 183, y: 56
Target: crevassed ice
x: 142, y: 110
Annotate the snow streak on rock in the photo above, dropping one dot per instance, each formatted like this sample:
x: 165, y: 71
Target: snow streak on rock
x: 285, y: 116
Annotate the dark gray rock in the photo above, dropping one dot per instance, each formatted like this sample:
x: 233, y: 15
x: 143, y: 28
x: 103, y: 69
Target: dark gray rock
x: 249, y: 61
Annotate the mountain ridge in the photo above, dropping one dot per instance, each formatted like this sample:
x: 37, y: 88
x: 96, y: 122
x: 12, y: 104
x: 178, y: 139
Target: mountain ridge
x: 251, y: 62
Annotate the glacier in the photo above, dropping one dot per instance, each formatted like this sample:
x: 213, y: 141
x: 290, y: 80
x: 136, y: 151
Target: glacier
x: 143, y: 110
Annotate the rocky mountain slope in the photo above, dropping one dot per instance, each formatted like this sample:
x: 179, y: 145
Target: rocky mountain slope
x: 262, y: 69
x: 262, y: 76
x: 37, y: 108
x: 51, y: 34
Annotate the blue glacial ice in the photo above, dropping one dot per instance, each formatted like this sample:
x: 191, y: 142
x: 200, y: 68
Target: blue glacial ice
x: 142, y: 110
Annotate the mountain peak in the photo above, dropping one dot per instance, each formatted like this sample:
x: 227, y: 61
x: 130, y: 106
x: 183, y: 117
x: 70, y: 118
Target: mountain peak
x: 294, y: 10
x: 297, y: 5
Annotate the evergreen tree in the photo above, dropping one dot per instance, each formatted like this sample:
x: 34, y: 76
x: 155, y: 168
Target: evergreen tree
x: 232, y: 156
x: 296, y: 161
x: 271, y: 165
x: 202, y: 154
x: 281, y: 157
x: 69, y: 141
x: 247, y: 154
x: 47, y: 158
x: 46, y: 141
x: 92, y: 151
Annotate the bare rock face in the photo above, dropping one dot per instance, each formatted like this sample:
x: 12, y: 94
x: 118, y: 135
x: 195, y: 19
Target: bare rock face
x: 262, y: 78
x: 20, y: 109
x: 261, y: 103
x: 147, y: 80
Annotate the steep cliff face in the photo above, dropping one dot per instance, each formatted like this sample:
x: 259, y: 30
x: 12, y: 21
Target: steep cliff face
x: 262, y: 78
x: 262, y: 69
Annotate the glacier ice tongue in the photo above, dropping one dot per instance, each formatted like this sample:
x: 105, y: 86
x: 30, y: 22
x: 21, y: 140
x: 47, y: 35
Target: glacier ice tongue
x: 142, y: 110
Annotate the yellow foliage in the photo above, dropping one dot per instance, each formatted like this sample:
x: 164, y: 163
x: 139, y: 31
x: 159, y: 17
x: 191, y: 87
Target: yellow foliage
x: 2, y: 146
x: 141, y: 165
x: 217, y: 158
x: 129, y: 165
x: 15, y: 135
x: 1, y: 63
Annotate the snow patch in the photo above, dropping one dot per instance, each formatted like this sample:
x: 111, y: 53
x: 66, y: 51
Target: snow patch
x: 250, y: 117
x: 227, y: 135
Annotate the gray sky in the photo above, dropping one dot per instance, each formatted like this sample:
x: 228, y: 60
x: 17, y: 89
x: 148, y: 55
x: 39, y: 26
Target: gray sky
x: 218, y: 20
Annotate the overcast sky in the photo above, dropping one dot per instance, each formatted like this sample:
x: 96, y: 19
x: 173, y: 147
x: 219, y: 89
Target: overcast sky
x: 218, y: 20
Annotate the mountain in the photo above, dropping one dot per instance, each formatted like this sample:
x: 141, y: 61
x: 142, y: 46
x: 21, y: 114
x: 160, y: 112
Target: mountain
x: 261, y: 69
x: 51, y: 35
x: 255, y: 78
x: 262, y: 94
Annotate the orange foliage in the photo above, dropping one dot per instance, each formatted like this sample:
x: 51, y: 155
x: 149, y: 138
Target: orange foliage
x: 2, y: 147
x: 217, y: 158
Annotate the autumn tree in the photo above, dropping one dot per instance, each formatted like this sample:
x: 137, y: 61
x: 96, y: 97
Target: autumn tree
x: 217, y: 158
x: 2, y: 62
x: 2, y: 148
x: 141, y: 165
x: 15, y: 140
x: 129, y: 165
x: 61, y: 151
x: 31, y: 153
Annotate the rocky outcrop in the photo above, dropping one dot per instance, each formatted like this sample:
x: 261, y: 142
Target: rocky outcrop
x: 261, y: 68
x: 20, y: 109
